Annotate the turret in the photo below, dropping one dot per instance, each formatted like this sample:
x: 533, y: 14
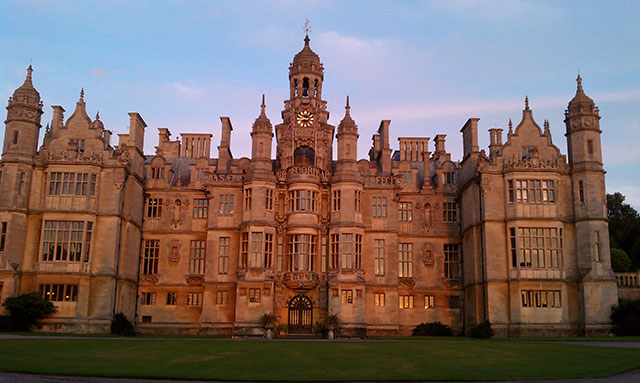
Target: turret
x: 582, y: 119
x: 261, y: 139
x: 589, y: 205
x: 347, y: 137
x: 23, y: 123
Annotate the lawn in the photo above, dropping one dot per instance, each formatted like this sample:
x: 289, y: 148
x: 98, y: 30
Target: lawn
x: 313, y: 360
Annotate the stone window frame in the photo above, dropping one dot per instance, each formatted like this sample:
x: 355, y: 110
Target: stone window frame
x: 405, y: 301
x: 58, y: 292
x: 541, y: 298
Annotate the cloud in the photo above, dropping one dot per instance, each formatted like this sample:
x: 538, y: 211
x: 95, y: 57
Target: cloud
x: 99, y: 73
x: 183, y: 90
x: 361, y: 59
x: 421, y: 110
x: 513, y: 11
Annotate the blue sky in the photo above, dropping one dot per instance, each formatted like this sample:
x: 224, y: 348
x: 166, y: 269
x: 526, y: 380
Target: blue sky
x: 426, y: 65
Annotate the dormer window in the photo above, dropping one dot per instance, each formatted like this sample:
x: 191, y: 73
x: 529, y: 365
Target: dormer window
x: 157, y: 173
x: 76, y: 146
x: 529, y: 152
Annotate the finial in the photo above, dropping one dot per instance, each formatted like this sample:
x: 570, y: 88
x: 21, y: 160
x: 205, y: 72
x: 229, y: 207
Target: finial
x: 263, y: 105
x: 306, y: 28
x: 526, y: 103
x: 29, y: 71
x: 510, y: 127
x: 82, y: 95
x: 546, y: 126
x: 46, y: 128
x: 97, y: 115
x: 579, y: 80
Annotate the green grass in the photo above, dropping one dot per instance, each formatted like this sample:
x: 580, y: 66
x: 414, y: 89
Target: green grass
x: 290, y: 361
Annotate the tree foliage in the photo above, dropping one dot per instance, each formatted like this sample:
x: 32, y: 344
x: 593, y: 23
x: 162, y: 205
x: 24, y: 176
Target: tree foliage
x: 624, y: 227
x: 432, y: 329
x: 625, y: 317
x: 26, y: 310
x: 120, y: 325
x: 620, y: 261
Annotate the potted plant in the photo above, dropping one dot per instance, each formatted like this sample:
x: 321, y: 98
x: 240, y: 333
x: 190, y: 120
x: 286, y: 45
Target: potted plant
x: 268, y: 321
x: 332, y: 322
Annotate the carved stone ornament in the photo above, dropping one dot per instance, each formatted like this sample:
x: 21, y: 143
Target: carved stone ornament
x: 149, y: 279
x: 174, y: 250
x: 427, y: 255
x: 407, y: 281
x: 195, y: 280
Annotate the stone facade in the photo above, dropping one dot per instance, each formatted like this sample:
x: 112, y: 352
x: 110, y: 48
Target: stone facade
x: 188, y: 244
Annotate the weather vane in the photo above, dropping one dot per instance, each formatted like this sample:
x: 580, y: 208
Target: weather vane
x: 306, y: 28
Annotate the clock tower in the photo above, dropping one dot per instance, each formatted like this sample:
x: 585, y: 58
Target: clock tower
x: 304, y: 137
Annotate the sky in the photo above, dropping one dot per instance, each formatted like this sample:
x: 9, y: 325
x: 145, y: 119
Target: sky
x: 427, y: 66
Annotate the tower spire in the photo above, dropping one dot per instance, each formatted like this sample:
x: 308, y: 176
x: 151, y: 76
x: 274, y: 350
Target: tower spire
x: 81, y: 95
x: 579, y: 81
x: 347, y: 107
x: 28, y: 79
x: 526, y: 103
x: 262, y: 106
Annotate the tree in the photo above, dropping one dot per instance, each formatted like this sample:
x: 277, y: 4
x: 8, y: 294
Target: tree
x: 620, y: 261
x: 26, y: 310
x: 624, y: 227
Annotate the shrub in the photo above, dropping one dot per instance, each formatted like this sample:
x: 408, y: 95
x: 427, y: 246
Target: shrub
x: 26, y: 310
x: 4, y: 323
x: 120, y: 325
x: 483, y: 330
x: 282, y: 329
x: 268, y: 320
x: 432, y: 329
x: 332, y: 322
x: 620, y: 261
x: 320, y: 329
x: 625, y: 317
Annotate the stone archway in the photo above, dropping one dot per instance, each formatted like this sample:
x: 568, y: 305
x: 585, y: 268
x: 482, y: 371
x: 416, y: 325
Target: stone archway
x: 300, y: 315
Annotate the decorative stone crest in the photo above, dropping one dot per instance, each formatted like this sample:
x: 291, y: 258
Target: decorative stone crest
x: 195, y: 280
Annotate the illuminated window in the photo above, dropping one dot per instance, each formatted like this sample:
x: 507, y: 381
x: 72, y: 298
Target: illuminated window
x: 378, y: 299
x: 541, y: 298
x: 405, y: 260
x: 347, y: 297
x: 154, y: 207
x: 59, y: 292
x: 429, y: 302
x: 194, y: 299
x: 254, y: 295
x: 405, y: 301
x: 405, y: 211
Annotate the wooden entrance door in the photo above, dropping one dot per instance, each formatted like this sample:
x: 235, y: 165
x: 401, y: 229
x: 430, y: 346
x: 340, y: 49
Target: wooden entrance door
x: 300, y: 315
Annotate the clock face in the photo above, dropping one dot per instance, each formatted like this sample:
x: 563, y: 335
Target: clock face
x: 305, y: 119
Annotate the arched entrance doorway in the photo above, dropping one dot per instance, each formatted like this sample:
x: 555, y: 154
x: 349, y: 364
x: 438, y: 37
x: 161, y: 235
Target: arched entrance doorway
x: 300, y: 315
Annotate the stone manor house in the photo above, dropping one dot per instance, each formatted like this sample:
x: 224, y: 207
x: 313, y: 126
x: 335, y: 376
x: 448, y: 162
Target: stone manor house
x: 185, y: 243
